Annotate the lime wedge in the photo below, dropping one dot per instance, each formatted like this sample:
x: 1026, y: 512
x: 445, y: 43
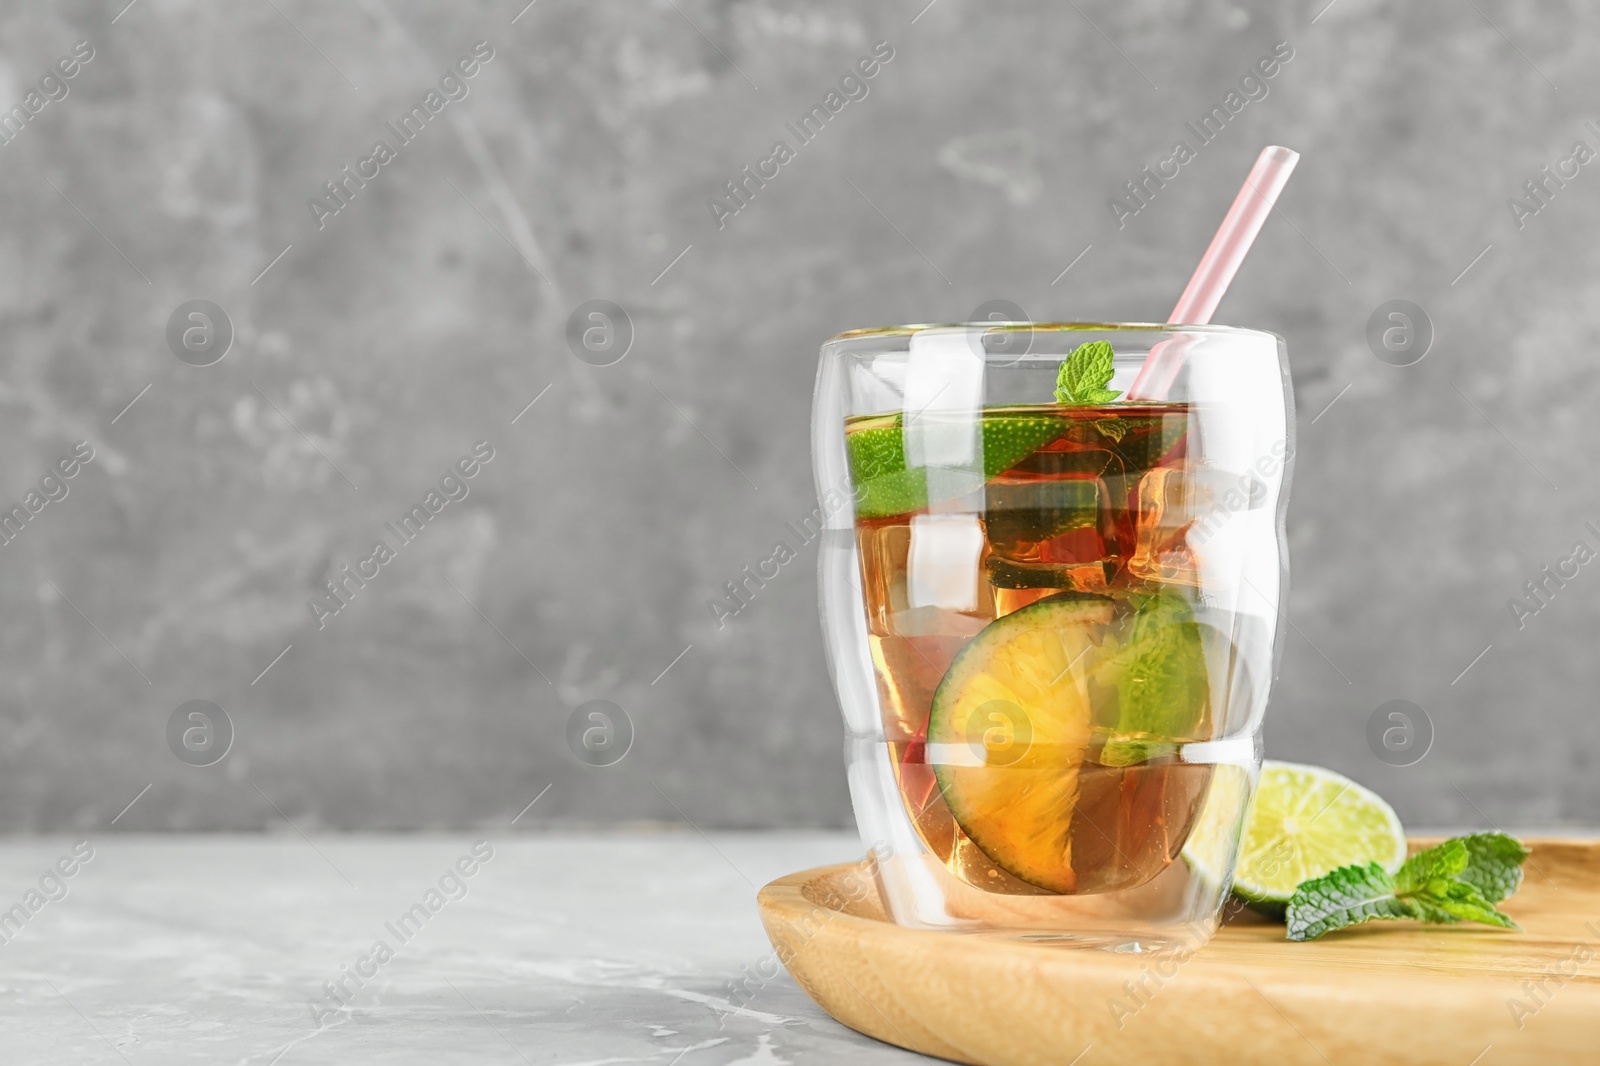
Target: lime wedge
x: 885, y: 486
x: 1303, y: 822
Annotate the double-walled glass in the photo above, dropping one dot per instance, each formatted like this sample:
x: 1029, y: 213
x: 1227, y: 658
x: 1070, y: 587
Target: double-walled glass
x: 1052, y: 620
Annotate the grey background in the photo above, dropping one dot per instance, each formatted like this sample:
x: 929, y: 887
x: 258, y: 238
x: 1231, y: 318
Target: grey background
x: 378, y: 349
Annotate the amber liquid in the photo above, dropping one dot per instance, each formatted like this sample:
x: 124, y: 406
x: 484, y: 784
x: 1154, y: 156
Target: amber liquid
x: 1104, y: 511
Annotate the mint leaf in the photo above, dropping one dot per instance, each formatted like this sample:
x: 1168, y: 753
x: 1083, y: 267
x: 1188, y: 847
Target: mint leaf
x: 1460, y: 902
x: 1162, y: 684
x: 1160, y: 676
x: 1457, y: 881
x: 1428, y: 872
x: 1084, y: 375
x: 1163, y: 689
x: 1494, y: 865
x: 1113, y: 429
x: 1348, y: 896
x: 1123, y: 751
x: 1432, y: 879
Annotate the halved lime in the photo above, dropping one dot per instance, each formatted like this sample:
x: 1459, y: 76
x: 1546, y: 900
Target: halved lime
x: 1210, y: 847
x: 1303, y: 822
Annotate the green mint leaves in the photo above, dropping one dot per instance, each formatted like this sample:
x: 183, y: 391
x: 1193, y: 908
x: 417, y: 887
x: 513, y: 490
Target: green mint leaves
x: 1162, y: 688
x: 1458, y: 881
x: 1161, y: 680
x: 1348, y: 896
x: 1082, y: 381
x: 1494, y: 864
x: 1084, y: 375
x: 1113, y: 428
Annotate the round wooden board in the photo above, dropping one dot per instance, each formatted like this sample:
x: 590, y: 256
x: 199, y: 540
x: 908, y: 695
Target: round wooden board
x: 1383, y: 993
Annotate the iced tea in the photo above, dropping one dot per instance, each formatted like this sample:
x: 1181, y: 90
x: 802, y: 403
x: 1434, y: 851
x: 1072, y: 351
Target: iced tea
x: 1033, y: 634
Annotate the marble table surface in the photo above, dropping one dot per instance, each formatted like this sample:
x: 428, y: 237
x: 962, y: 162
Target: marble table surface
x: 559, y: 949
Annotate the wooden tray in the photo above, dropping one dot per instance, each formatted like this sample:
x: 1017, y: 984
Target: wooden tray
x: 1382, y: 993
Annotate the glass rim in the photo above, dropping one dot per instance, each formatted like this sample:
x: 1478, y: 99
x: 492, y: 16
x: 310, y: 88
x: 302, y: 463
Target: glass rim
x: 1053, y: 327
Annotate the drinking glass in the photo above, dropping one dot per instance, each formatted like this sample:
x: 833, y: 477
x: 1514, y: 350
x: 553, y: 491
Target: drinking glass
x: 1052, y: 622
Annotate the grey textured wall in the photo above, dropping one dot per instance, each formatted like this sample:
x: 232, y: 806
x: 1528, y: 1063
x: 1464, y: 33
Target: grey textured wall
x: 431, y: 308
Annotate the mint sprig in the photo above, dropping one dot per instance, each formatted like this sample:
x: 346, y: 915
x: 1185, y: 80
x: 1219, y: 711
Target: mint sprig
x: 1348, y: 896
x: 1458, y: 881
x: 1084, y: 375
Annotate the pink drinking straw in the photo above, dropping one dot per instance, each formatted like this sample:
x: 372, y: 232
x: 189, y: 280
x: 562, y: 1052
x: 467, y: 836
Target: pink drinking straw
x: 1217, y: 267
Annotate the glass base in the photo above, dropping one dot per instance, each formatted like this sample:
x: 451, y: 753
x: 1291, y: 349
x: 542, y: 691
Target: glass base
x: 1177, y: 911
x: 1172, y: 913
x: 1117, y: 943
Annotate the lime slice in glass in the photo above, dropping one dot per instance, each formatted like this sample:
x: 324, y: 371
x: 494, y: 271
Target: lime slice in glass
x: 1008, y: 731
x: 886, y: 486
